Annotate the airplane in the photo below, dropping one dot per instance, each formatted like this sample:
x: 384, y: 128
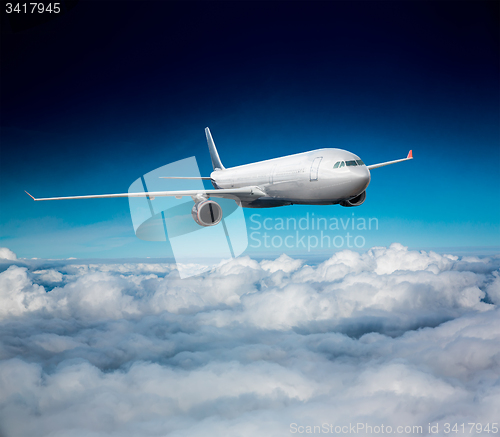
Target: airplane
x: 318, y: 177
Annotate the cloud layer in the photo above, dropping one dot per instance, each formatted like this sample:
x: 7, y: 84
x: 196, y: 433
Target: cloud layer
x: 390, y: 336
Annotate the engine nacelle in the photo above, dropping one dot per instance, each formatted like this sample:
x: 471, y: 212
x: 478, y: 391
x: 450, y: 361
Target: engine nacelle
x: 356, y: 201
x: 207, y: 213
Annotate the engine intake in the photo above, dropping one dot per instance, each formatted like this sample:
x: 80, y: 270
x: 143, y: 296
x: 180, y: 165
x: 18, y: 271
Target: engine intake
x: 355, y: 201
x: 207, y: 213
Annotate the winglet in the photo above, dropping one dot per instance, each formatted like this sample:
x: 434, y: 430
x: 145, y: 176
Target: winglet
x: 29, y: 195
x: 410, y: 155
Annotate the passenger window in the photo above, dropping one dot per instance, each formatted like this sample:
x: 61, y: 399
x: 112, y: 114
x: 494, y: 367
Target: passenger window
x: 336, y: 164
x: 350, y: 163
x: 360, y: 162
x: 341, y: 164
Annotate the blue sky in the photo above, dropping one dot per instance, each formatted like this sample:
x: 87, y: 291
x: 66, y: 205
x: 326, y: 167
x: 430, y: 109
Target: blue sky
x: 90, y: 101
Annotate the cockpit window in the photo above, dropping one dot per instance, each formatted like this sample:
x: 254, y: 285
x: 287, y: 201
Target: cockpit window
x: 336, y: 164
x: 360, y: 162
x: 351, y: 163
x: 341, y: 164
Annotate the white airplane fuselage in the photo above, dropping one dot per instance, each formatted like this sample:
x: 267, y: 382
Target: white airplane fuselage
x: 305, y: 178
x: 317, y: 177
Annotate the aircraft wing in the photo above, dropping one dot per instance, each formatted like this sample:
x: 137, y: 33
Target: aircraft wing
x: 231, y: 193
x: 410, y: 156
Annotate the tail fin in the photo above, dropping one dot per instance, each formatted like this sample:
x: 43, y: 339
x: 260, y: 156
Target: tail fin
x: 213, y: 151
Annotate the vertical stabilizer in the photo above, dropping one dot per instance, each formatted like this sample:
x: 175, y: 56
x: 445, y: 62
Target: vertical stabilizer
x: 213, y: 151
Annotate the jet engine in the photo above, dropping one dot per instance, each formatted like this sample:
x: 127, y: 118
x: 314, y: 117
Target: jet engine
x: 207, y: 213
x: 355, y: 201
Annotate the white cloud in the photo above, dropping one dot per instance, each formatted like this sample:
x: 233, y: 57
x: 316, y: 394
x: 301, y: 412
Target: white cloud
x: 18, y: 294
x: 284, y: 263
x: 49, y: 276
x: 390, y: 336
x: 7, y: 254
x: 493, y: 288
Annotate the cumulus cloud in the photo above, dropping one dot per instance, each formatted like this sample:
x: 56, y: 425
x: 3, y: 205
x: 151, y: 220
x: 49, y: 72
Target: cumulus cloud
x: 7, y: 254
x: 389, y: 336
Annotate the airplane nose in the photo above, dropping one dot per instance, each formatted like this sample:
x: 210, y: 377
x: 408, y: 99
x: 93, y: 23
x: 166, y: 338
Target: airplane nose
x: 360, y: 177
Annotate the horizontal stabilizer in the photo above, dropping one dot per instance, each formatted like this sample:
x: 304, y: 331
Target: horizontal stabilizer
x: 186, y: 177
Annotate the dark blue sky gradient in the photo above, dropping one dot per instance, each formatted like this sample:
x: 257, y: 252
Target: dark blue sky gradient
x: 108, y: 91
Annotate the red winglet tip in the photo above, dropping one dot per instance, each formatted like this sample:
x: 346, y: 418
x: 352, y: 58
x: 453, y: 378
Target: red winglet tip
x: 410, y: 155
x: 29, y: 195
